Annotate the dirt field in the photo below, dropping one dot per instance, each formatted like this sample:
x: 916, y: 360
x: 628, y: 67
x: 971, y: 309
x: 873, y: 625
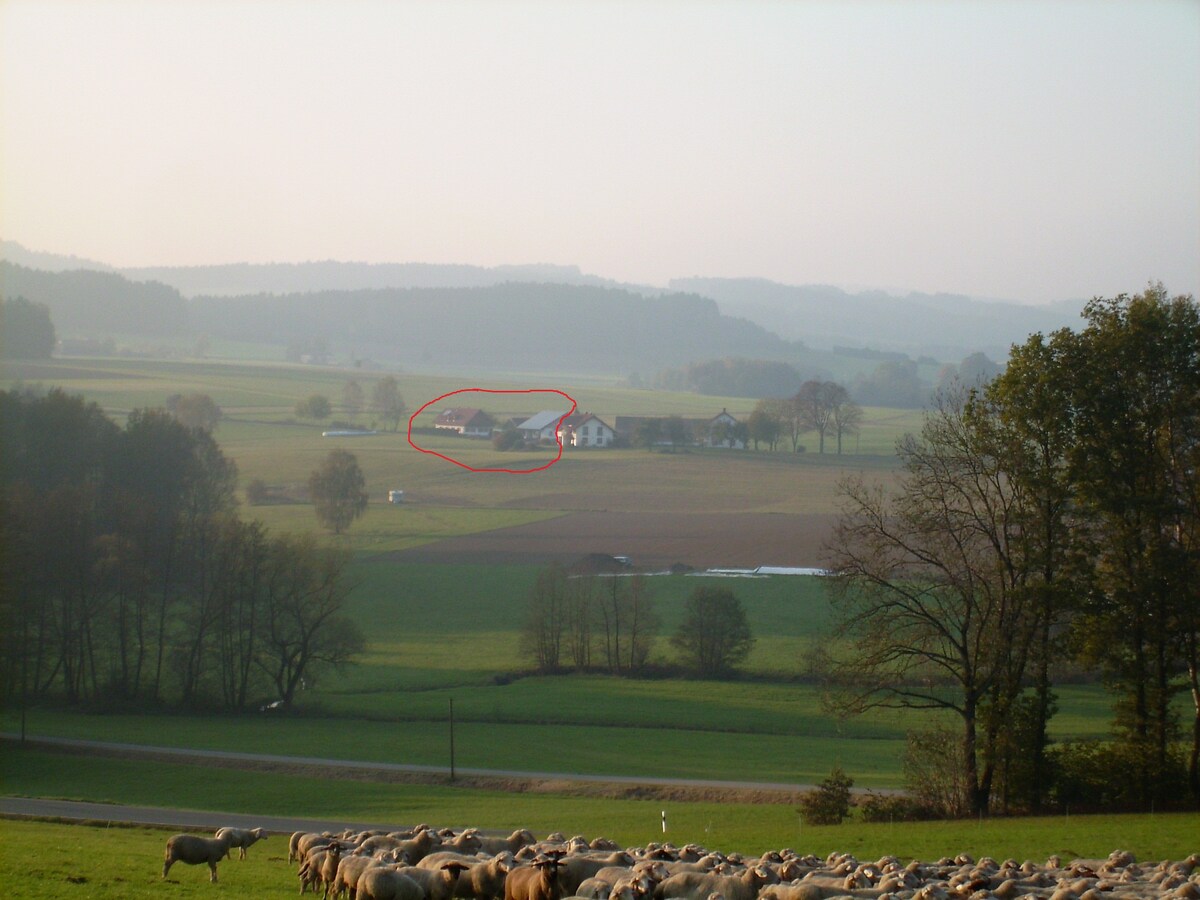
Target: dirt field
x: 653, y: 540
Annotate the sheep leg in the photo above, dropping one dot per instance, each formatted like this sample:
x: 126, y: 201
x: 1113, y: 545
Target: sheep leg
x: 212, y: 869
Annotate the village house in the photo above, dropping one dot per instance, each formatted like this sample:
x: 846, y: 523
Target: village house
x: 586, y: 430
x: 466, y: 421
x: 541, y: 426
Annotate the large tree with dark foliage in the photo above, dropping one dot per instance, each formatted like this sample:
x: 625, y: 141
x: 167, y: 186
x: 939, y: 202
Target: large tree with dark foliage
x: 338, y: 490
x: 714, y: 636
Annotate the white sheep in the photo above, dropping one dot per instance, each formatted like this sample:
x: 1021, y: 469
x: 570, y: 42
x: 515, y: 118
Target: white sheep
x: 439, y: 883
x: 522, y: 837
x: 242, y: 838
x: 194, y: 850
x: 387, y: 883
x: 485, y: 879
x: 350, y: 869
x: 697, y: 886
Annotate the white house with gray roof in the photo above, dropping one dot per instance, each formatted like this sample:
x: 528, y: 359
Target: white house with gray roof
x: 541, y: 426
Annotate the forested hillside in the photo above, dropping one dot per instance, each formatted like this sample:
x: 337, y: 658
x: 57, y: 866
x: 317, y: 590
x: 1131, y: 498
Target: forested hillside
x: 83, y: 302
x: 511, y: 326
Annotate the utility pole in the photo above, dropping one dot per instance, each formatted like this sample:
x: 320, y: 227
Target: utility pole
x: 451, y: 738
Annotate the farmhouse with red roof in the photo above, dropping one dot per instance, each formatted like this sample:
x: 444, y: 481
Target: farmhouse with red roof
x: 465, y: 420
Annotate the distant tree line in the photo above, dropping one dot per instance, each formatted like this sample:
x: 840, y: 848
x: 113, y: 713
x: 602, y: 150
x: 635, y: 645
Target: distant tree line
x: 732, y: 378
x: 1049, y: 516
x: 83, y: 301
x: 127, y: 578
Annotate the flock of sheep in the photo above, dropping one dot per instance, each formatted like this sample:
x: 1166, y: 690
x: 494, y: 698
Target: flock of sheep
x: 427, y: 864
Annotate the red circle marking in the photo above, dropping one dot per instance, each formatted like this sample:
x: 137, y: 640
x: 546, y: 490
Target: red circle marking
x: 451, y: 459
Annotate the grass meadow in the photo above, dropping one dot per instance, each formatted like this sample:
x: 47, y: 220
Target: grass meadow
x: 450, y: 632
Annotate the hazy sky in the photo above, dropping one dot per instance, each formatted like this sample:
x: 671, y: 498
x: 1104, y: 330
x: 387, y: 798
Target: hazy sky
x: 1017, y: 149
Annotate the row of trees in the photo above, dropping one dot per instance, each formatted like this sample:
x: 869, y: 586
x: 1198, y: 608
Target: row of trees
x: 385, y: 402
x: 823, y: 407
x: 609, y: 623
x: 128, y: 578
x: 1051, y: 516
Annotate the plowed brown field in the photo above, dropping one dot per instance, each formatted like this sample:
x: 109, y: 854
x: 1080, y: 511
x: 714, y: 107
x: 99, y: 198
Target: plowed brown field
x: 653, y: 540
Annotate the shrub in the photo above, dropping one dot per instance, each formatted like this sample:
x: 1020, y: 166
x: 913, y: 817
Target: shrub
x: 508, y: 439
x: 893, y: 808
x: 829, y: 804
x: 935, y: 771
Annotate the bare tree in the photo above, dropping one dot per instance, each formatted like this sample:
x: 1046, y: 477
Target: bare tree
x: 304, y: 628
x: 387, y: 402
x: 627, y: 621
x: 545, y: 623
x: 847, y: 420
x: 353, y: 397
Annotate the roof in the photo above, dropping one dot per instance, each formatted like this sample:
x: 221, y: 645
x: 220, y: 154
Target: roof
x: 541, y: 420
x: 459, y: 416
x: 572, y: 422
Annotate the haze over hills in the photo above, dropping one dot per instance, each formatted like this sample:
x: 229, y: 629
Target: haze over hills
x: 944, y: 326
x: 780, y: 317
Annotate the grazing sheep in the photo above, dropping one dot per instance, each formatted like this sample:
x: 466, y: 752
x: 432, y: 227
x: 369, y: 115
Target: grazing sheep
x: 420, y: 845
x: 578, y: 868
x: 242, y: 838
x: 380, y: 843
x: 193, y: 850
x: 485, y: 880
x: 309, y: 842
x: 329, y: 868
x: 310, y: 871
x: 439, y: 883
x: 468, y: 842
x: 387, y: 883
x: 537, y: 881
x: 317, y: 868
x: 697, y: 886
x: 514, y: 842
x: 434, y: 860
x: 350, y: 869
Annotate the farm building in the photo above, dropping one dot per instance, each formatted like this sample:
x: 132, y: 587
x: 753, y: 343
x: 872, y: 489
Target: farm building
x: 586, y: 430
x: 719, y: 431
x: 466, y: 421
x: 541, y: 426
